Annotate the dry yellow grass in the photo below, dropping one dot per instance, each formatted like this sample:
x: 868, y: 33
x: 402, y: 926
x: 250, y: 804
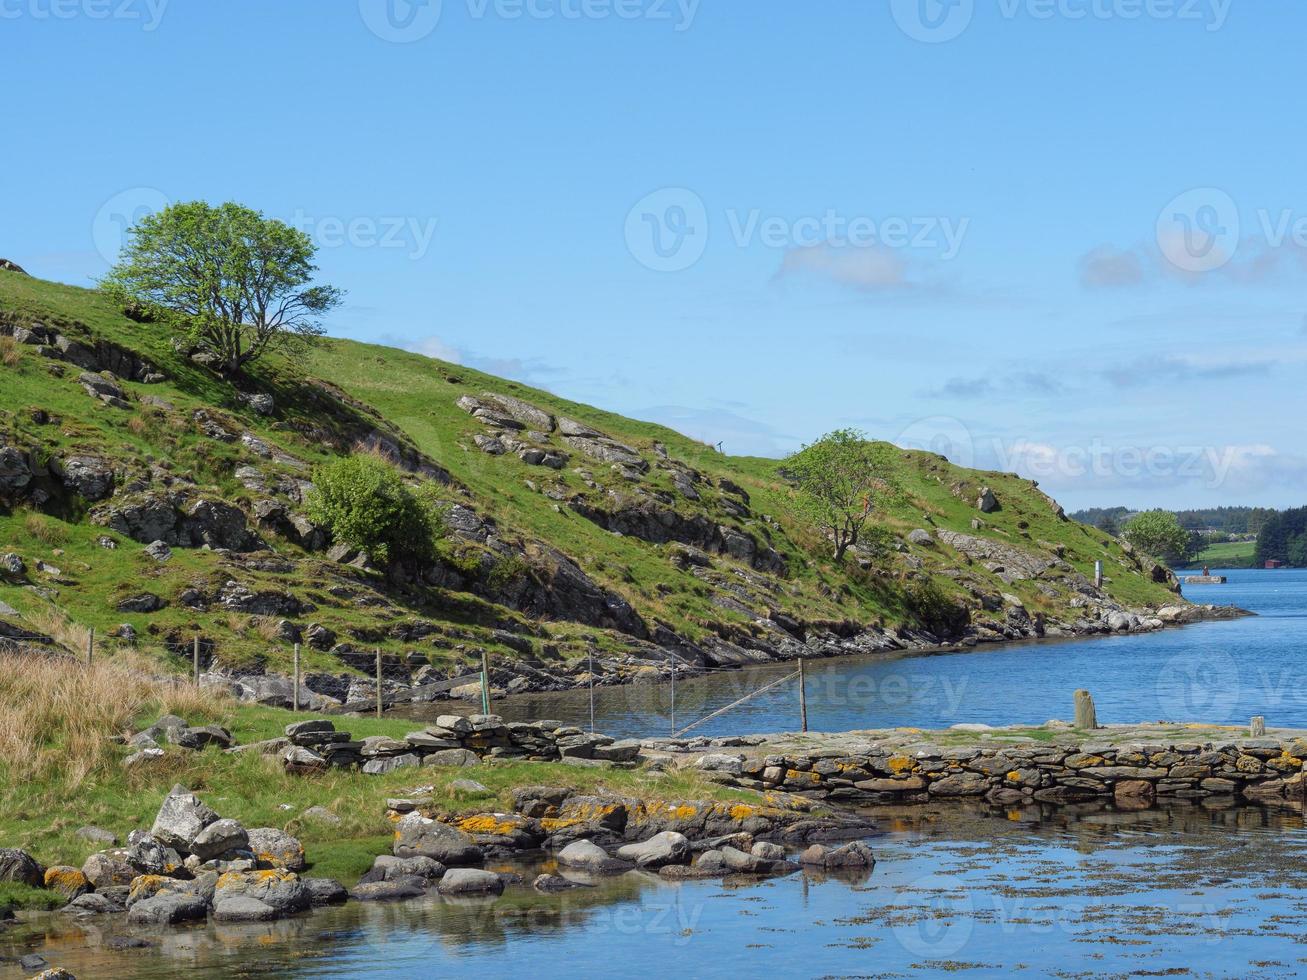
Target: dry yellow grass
x: 10, y: 352
x: 57, y: 716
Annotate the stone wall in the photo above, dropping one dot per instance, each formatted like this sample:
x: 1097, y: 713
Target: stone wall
x: 453, y: 740
x: 1264, y: 770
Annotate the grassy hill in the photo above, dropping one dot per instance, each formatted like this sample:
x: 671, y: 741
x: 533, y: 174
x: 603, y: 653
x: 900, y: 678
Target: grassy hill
x: 641, y: 542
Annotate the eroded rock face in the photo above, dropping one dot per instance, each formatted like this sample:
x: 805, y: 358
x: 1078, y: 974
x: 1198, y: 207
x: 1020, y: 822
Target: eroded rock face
x: 15, y: 474
x: 87, y: 476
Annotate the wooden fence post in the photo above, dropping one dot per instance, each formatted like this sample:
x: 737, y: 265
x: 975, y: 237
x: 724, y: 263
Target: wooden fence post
x: 803, y: 697
x: 485, y: 683
x: 295, y: 693
x: 378, y: 682
x: 673, y: 695
x: 1086, y: 715
x: 195, y: 661
x: 90, y: 647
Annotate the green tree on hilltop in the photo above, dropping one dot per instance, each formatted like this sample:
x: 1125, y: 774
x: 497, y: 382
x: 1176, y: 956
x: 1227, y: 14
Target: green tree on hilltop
x: 235, y: 283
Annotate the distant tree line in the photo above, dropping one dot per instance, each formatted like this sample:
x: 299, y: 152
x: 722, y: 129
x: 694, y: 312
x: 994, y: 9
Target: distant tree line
x: 1284, y: 538
x: 1228, y: 520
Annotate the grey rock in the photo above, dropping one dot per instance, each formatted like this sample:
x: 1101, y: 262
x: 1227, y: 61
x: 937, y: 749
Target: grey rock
x: 453, y: 757
x: 92, y: 903
x: 470, y: 881
x: 218, y: 838
x: 87, y: 476
x: 281, y: 890
x: 242, y: 908
x: 668, y: 847
x: 585, y: 855
x: 19, y: 866
x: 389, y: 891
x: 168, y: 908
x: 97, y: 835
x: 159, y: 551
x: 325, y: 891
x: 274, y: 848
x: 418, y: 836
x: 15, y: 474
x: 181, y: 818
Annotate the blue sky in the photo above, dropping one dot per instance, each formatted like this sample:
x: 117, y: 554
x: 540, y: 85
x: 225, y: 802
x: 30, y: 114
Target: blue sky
x: 1062, y: 237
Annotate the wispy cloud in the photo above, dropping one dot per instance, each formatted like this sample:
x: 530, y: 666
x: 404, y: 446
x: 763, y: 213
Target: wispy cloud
x: 1019, y: 384
x: 1178, y: 370
x: 1107, y: 267
x: 868, y: 270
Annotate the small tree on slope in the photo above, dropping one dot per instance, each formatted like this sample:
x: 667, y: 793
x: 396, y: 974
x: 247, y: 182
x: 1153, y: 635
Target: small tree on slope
x: 838, y: 479
x: 234, y: 282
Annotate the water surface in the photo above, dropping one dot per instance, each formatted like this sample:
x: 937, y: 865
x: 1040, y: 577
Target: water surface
x: 1218, y: 673
x: 1032, y: 892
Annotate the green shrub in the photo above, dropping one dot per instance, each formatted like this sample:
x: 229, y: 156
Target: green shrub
x: 934, y: 610
x: 366, y: 504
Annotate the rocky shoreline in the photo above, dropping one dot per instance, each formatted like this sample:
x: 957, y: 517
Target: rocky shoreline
x: 796, y: 812
x: 510, y: 678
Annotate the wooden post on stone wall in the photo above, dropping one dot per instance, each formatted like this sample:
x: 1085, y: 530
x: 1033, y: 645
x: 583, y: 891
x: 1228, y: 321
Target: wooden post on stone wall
x: 1086, y: 715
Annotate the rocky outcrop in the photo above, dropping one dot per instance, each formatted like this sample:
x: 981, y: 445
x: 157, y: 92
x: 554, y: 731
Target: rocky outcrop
x: 177, y: 518
x: 657, y: 524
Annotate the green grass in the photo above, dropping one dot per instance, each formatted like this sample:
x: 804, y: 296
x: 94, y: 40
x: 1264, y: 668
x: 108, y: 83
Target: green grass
x: 42, y: 815
x: 15, y: 897
x: 1228, y: 554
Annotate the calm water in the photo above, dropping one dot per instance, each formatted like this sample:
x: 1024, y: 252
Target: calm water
x: 1211, y: 672
x: 1218, y: 893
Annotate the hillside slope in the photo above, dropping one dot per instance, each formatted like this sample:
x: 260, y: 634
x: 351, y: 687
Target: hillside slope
x: 571, y: 529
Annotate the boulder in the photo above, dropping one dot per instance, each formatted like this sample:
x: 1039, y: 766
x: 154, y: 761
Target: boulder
x: 470, y: 881
x: 181, y: 818
x: 108, y: 869
x: 144, y: 602
x: 19, y: 866
x: 150, y: 856
x: 66, y: 881
x: 218, y: 838
x: 554, y: 883
x: 585, y: 855
x: 275, y: 848
x: 92, y: 903
x: 168, y: 908
x: 855, y: 854
x: 668, y: 847
x: 418, y: 836
x: 324, y: 891
x: 389, y: 891
x: 242, y: 908
x: 281, y: 890
x: 387, y: 867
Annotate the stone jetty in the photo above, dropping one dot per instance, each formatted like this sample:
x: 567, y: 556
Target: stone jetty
x: 1133, y: 766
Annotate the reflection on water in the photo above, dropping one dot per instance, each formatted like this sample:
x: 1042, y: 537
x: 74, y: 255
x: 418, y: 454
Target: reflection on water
x: 1212, y: 672
x: 1070, y: 892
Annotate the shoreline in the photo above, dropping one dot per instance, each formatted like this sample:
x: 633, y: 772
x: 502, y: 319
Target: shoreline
x: 868, y: 642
